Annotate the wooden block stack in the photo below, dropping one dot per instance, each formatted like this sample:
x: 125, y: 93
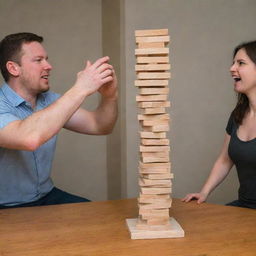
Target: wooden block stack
x: 153, y: 74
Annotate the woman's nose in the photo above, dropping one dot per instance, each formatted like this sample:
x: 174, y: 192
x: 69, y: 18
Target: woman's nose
x: 232, y: 68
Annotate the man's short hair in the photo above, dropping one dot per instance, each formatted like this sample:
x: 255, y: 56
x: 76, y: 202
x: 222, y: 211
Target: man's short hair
x: 10, y: 49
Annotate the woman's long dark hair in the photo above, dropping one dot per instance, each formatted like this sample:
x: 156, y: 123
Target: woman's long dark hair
x: 242, y: 105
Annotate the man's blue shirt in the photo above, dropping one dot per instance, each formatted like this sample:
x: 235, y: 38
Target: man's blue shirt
x: 24, y: 175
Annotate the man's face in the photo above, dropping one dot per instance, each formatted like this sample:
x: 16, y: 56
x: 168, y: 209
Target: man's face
x: 34, y: 68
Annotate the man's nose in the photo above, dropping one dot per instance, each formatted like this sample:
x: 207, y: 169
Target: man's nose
x: 47, y: 65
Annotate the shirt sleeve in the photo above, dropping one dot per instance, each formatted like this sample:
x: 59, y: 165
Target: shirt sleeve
x: 6, y: 118
x: 230, y: 125
x: 50, y: 97
x: 7, y: 115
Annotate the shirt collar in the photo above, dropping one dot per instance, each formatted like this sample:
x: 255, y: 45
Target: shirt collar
x: 15, y: 99
x: 11, y: 95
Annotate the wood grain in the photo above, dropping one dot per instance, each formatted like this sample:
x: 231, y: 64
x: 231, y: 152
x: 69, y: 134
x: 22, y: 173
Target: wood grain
x: 99, y: 228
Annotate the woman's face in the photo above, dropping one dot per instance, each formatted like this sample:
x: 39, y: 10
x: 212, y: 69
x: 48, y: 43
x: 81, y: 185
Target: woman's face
x: 243, y: 72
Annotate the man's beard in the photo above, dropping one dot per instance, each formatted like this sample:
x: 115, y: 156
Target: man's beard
x: 35, y: 89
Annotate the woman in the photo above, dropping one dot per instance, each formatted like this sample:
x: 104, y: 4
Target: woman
x: 239, y: 146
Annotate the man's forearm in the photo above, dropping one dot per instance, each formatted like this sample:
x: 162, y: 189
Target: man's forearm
x: 106, y: 115
x: 32, y: 132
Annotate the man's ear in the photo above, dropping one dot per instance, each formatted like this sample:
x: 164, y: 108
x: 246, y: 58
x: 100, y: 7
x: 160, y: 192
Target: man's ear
x: 13, y: 68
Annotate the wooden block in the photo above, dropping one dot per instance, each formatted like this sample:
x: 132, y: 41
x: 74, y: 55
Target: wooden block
x: 154, y: 122
x: 161, y: 186
x: 156, y: 197
x: 149, y: 83
x: 156, y: 128
x: 154, y: 148
x: 147, y: 213
x: 153, y: 198
x: 162, y: 97
x: 158, y: 205
x: 142, y: 225
x: 155, y: 165
x: 152, y: 67
x: 152, y: 213
x: 150, y: 91
x: 153, y: 117
x: 155, y: 154
x: 151, y: 32
x: 150, y: 123
x: 153, y: 135
x: 148, y: 111
x: 153, y: 39
x: 154, y: 104
x: 151, y: 45
x: 160, y: 128
x: 148, y: 216
x: 148, y: 182
x: 155, y: 182
x: 158, y: 176
x: 155, y: 142
x: 145, y: 190
x: 146, y: 128
x: 155, y: 159
x: 151, y: 51
x: 154, y: 171
x: 152, y: 59
x: 157, y: 221
x: 154, y: 202
x: 174, y: 231
x: 154, y: 75
x: 153, y: 222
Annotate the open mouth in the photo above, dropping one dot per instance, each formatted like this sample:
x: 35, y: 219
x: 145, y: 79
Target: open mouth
x: 45, y: 77
x: 237, y: 79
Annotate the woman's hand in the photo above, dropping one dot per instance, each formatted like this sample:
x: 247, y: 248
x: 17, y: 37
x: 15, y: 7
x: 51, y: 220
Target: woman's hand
x: 200, y: 197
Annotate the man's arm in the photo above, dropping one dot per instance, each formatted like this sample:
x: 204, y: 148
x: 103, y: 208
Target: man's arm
x: 102, y: 120
x: 32, y: 132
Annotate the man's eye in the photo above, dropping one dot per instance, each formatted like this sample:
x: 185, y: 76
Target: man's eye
x: 241, y: 63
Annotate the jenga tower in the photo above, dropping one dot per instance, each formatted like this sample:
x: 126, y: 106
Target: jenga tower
x: 153, y: 74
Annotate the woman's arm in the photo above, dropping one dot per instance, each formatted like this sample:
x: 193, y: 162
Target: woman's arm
x: 218, y: 173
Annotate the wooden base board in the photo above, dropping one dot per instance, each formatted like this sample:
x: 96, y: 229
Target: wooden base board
x: 175, y: 231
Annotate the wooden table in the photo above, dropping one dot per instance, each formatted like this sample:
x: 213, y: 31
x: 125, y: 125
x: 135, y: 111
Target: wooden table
x: 99, y: 228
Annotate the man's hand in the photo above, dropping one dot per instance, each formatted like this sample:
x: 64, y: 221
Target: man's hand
x: 109, y: 90
x: 95, y: 75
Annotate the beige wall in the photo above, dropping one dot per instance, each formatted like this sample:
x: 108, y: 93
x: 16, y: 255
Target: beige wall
x: 203, y: 34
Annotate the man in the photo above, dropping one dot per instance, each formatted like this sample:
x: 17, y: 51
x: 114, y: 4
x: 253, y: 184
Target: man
x: 31, y: 116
